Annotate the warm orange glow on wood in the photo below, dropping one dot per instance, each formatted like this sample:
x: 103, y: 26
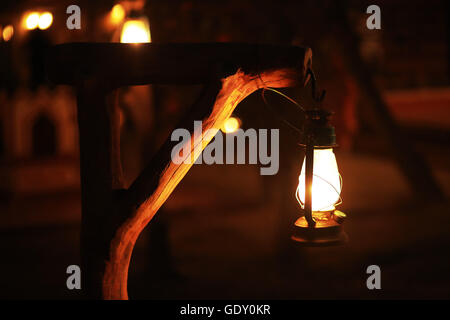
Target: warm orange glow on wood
x: 112, y: 216
x: 234, y: 89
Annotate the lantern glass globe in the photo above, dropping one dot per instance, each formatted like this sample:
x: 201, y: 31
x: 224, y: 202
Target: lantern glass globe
x: 326, y: 183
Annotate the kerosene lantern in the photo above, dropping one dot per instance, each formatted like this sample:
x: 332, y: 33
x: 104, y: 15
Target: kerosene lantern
x: 319, y: 186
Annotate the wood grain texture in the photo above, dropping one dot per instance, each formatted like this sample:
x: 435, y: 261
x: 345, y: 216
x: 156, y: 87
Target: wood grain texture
x: 112, y: 217
x: 228, y: 94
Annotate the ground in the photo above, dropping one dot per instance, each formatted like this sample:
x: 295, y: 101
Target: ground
x: 226, y: 236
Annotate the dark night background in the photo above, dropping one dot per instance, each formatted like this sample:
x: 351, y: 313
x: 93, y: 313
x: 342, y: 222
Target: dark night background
x: 224, y: 233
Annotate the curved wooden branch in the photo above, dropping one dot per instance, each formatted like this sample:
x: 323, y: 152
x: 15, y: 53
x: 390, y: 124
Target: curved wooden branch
x: 113, y: 218
x: 160, y: 179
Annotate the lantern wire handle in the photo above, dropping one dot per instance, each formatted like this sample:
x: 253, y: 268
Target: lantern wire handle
x: 317, y: 96
x: 282, y: 118
x: 285, y: 96
x: 276, y: 111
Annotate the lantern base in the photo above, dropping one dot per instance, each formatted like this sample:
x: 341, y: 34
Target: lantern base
x: 328, y: 230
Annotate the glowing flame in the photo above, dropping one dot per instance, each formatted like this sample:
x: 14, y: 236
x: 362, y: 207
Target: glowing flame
x: 8, y: 32
x: 135, y: 31
x: 326, y: 185
x: 231, y: 125
x: 45, y: 20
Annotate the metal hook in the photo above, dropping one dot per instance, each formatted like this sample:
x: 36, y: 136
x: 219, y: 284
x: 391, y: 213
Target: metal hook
x: 318, y: 97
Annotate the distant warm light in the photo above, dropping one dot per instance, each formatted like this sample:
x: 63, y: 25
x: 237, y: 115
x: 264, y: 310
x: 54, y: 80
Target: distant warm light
x: 32, y: 20
x: 135, y: 31
x: 45, y: 20
x: 117, y: 14
x: 231, y: 125
x: 326, y: 184
x: 8, y: 32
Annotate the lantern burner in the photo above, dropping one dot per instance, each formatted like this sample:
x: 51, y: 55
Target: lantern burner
x: 327, y: 230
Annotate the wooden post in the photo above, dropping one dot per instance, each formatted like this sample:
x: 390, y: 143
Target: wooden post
x: 101, y: 178
x: 112, y: 217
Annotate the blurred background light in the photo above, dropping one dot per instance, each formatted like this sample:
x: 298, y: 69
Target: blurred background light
x: 117, y: 14
x: 45, y: 20
x: 135, y: 31
x: 8, y: 32
x: 232, y: 124
x: 32, y: 20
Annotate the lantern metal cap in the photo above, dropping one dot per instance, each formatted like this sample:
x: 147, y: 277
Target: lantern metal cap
x: 318, y: 129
